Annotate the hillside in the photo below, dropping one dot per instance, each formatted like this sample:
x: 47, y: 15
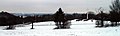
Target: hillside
x: 78, y: 28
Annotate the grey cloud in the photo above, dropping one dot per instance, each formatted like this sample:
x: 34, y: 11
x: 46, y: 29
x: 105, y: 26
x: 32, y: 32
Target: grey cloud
x: 52, y: 5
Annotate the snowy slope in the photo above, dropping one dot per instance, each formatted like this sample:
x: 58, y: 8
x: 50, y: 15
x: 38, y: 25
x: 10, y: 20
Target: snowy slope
x: 78, y: 28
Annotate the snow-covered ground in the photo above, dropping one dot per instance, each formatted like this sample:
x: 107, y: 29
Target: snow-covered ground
x: 78, y: 28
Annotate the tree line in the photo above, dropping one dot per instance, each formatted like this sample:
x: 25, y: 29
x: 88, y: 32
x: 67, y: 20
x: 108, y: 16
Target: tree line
x: 60, y: 17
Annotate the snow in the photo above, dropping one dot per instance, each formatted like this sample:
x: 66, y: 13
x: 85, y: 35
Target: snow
x: 78, y: 28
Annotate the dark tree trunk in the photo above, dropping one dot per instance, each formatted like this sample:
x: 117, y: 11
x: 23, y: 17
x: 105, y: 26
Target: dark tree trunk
x: 112, y: 23
x: 115, y: 23
x: 102, y: 16
x: 32, y: 26
x: 102, y: 24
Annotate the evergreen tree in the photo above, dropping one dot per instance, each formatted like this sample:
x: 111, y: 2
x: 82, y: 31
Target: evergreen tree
x: 59, y: 18
x: 115, y: 5
x: 115, y: 12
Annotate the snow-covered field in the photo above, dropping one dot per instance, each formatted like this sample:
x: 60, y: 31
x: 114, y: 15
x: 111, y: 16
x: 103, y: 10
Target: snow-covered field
x: 78, y: 28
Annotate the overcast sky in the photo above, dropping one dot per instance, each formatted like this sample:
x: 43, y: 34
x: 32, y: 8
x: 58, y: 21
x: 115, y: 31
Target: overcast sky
x: 52, y: 5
